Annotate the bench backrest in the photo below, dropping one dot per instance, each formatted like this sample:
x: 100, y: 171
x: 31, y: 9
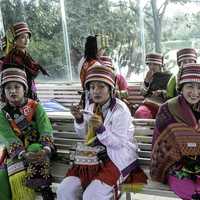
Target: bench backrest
x: 66, y: 94
x: 134, y: 94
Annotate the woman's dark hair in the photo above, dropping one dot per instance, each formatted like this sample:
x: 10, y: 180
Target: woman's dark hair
x: 91, y: 48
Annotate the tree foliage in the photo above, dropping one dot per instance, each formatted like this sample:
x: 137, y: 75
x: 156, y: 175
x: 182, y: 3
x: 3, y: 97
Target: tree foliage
x: 119, y: 20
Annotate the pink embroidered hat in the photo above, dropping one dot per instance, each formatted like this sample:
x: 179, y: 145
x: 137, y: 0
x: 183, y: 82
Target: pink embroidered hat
x: 107, y: 61
x: 189, y: 73
x: 100, y: 73
x: 154, y: 58
x: 186, y: 54
x: 19, y: 28
x: 13, y: 72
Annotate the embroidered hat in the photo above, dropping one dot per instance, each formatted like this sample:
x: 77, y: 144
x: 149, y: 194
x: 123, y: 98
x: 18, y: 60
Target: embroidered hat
x: 100, y: 73
x: 186, y: 54
x: 189, y: 73
x: 19, y: 28
x: 107, y: 61
x: 154, y: 58
x: 13, y: 72
x: 102, y: 41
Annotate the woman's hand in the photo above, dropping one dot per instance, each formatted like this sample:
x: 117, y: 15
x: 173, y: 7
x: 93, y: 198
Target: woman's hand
x: 157, y: 93
x: 76, y: 112
x: 149, y: 76
x: 96, y: 121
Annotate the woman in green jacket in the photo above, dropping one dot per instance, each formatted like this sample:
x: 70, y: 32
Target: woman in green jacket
x: 26, y: 133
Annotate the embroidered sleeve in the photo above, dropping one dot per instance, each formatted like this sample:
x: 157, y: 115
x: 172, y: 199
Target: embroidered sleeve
x: 44, y: 127
x: 171, y: 87
x: 12, y: 143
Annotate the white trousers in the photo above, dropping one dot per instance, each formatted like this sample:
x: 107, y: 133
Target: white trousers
x: 70, y: 189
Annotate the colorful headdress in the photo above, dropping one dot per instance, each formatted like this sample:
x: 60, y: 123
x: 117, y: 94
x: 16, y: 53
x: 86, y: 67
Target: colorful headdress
x: 13, y: 72
x: 189, y: 73
x: 100, y: 73
x: 154, y: 58
x: 19, y: 28
x: 102, y: 41
x: 107, y: 61
x: 186, y: 54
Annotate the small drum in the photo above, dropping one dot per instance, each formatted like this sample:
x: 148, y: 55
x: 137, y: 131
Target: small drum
x: 86, y: 155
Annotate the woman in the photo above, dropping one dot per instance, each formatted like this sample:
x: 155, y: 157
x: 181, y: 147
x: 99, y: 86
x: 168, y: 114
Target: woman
x: 26, y: 133
x: 184, y: 56
x: 90, y: 58
x: 95, y: 47
x: 176, y: 139
x: 19, y: 36
x: 154, y: 87
x: 109, y: 156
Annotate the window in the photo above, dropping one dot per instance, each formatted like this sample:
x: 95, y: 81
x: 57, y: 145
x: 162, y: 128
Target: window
x: 47, y: 42
x: 59, y: 29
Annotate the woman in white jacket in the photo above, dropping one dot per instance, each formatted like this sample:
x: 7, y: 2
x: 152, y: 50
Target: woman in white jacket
x: 109, y: 156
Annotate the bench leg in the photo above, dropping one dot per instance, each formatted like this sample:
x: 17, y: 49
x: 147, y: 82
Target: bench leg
x: 128, y: 196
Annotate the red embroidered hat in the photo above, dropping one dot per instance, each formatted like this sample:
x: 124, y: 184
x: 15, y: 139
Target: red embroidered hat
x: 107, y: 61
x: 19, y: 28
x: 154, y: 58
x: 100, y: 73
x: 13, y: 72
x: 189, y: 73
x: 186, y: 54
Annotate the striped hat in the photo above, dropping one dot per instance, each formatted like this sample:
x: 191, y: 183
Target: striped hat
x: 186, y: 54
x: 13, y: 72
x: 19, y: 28
x: 107, y: 61
x: 154, y: 58
x: 100, y: 73
x: 189, y: 73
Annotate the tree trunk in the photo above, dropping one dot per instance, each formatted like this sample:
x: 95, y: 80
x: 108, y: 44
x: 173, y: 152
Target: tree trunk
x: 157, y: 26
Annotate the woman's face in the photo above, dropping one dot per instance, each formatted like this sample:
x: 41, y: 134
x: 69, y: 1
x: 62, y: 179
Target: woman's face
x: 99, y: 91
x: 154, y: 67
x: 186, y: 61
x: 14, y: 92
x: 191, y: 92
x: 22, y: 41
